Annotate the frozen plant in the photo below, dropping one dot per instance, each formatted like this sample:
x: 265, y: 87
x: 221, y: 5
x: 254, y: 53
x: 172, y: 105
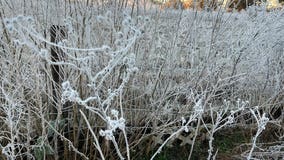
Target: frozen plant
x: 261, y: 121
x: 198, y: 110
x: 104, y: 49
x: 118, y: 56
x: 221, y: 118
x: 13, y: 114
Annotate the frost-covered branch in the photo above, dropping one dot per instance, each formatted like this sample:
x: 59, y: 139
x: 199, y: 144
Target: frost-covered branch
x: 261, y: 121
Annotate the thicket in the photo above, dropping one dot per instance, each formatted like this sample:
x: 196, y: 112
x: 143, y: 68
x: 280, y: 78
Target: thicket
x: 137, y: 81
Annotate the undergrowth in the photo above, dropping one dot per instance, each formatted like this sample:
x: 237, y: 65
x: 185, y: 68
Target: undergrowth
x: 137, y: 82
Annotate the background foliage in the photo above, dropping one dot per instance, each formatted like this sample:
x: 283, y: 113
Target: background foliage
x: 140, y: 82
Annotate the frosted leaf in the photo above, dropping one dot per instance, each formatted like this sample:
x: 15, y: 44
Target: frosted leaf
x: 106, y: 48
x: 263, y: 121
x: 114, y: 112
x: 112, y: 124
x: 198, y: 108
x: 70, y: 96
x: 185, y: 128
x: 43, y: 53
x: 107, y: 134
x: 102, y: 133
x: 108, y: 118
x: 66, y: 85
x: 230, y: 119
x: 68, y: 93
x: 121, y: 124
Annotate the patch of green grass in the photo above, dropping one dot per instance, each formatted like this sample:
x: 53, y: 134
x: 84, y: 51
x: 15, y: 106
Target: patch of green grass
x: 180, y: 152
x: 227, y: 141
x: 169, y: 153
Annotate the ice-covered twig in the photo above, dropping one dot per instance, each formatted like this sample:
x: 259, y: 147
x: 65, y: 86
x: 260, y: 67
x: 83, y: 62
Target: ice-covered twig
x: 261, y: 121
x: 224, y: 117
x: 198, y: 110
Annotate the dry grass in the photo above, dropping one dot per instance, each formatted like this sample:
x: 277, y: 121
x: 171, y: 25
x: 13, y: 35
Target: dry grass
x: 182, y: 57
